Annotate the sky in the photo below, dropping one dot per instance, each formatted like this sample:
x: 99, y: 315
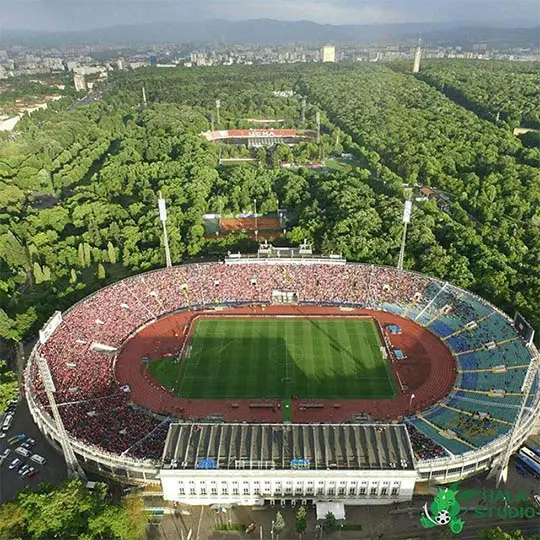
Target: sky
x: 89, y: 14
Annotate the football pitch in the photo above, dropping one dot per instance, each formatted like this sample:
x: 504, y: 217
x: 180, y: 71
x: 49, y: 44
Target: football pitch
x: 280, y: 358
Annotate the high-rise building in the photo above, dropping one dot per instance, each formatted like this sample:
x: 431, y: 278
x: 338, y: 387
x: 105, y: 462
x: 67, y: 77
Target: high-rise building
x: 328, y: 53
x: 80, y: 83
x: 417, y: 57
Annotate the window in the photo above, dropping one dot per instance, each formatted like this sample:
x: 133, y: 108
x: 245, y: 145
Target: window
x: 320, y: 491
x: 181, y: 491
x: 331, y: 491
x: 395, y: 491
x: 341, y: 491
x: 192, y: 491
x: 362, y: 490
x: 203, y: 490
x: 352, y: 491
x: 235, y: 491
x: 373, y: 490
x: 384, y: 491
x: 214, y: 490
x: 246, y: 490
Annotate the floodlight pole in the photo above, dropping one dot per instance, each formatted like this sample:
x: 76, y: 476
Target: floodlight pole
x: 406, y: 220
x: 402, y: 249
x: 256, y: 229
x: 74, y: 470
x: 163, y: 218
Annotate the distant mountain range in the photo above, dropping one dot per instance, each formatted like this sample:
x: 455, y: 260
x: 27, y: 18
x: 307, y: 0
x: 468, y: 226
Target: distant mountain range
x: 273, y: 32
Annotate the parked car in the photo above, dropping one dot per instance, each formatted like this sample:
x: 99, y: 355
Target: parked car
x: 29, y: 443
x: 23, y: 451
x: 16, y: 438
x: 28, y: 472
x: 15, y: 463
x: 38, y: 459
x: 4, y: 455
x: 8, y: 420
x: 24, y: 467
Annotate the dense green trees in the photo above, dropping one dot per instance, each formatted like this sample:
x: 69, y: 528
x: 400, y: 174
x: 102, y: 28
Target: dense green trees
x: 488, y: 239
x: 78, y: 187
x: 71, y: 511
x: 9, y: 386
x: 503, y: 92
x: 499, y: 534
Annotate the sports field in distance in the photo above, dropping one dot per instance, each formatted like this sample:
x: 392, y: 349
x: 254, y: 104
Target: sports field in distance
x: 280, y: 358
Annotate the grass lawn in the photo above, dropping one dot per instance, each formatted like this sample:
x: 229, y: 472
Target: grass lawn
x: 166, y: 371
x: 341, y: 165
x: 281, y: 358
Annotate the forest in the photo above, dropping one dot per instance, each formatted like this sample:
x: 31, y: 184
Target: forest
x: 71, y: 511
x: 79, y: 184
x: 503, y: 92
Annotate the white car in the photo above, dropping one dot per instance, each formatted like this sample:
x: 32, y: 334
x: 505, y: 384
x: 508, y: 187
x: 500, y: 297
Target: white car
x: 21, y: 470
x: 15, y: 463
x: 4, y: 455
x: 23, y: 451
x: 28, y: 472
x: 38, y: 459
x: 8, y: 420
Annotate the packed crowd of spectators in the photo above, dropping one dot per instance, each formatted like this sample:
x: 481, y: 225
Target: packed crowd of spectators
x: 95, y: 408
x: 424, y: 447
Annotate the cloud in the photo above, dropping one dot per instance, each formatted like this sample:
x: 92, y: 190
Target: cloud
x: 88, y: 14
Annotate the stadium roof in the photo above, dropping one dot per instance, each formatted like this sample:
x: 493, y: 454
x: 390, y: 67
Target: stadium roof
x: 288, y: 446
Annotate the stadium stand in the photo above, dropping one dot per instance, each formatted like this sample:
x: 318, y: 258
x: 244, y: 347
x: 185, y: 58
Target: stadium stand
x: 99, y: 412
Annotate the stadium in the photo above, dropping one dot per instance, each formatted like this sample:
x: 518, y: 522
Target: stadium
x: 259, y: 137
x: 285, y: 376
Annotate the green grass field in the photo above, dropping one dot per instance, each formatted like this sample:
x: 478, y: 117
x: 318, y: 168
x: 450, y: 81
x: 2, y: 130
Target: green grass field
x: 280, y: 358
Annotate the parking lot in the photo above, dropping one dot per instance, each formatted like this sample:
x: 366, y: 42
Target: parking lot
x: 53, y: 472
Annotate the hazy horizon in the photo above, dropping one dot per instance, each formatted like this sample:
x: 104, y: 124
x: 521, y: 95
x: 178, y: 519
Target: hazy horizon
x: 73, y: 15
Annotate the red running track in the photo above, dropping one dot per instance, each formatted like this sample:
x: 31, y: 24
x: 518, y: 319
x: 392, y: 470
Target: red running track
x: 428, y: 372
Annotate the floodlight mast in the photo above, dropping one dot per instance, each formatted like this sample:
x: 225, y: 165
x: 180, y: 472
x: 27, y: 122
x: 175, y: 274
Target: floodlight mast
x: 163, y: 218
x: 256, y: 228
x: 418, y: 56
x: 406, y: 220
x: 218, y: 106
x: 74, y: 470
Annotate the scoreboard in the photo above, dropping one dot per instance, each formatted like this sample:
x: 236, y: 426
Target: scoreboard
x: 525, y: 330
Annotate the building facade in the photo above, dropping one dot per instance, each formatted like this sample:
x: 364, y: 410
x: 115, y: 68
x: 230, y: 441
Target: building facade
x: 328, y: 53
x: 254, y: 464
